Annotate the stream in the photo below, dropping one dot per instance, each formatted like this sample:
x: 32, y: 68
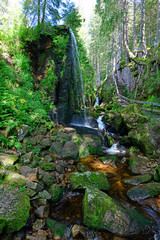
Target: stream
x: 69, y: 209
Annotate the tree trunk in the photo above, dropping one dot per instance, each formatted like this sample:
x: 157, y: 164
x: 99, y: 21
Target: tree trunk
x: 142, y: 32
x: 158, y: 22
x: 44, y: 11
x: 134, y: 27
x: 119, y: 50
x: 125, y: 27
x: 39, y: 12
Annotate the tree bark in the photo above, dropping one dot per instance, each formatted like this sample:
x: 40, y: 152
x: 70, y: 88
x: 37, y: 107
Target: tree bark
x: 142, y: 32
x: 134, y: 27
x: 158, y: 22
x: 39, y: 16
x: 44, y: 11
x: 119, y: 50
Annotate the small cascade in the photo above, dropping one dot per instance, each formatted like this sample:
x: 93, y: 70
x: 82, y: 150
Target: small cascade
x: 96, y: 102
x: 101, y: 125
x: 77, y: 70
x: 116, y: 149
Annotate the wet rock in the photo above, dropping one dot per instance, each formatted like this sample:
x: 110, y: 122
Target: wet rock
x: 14, y: 210
x: 110, y: 159
x: 56, y: 193
x: 140, y: 164
x: 47, y: 179
x: 41, y: 235
x: 47, y: 166
x: 144, y: 191
x: 45, y: 195
x: 139, y: 179
x: 40, y: 223
x: 81, y: 168
x: 104, y: 213
x: 27, y: 158
x: 15, y: 179
x: 142, y: 137
x: 114, y: 119
x: 7, y: 160
x: 83, y: 180
x: 70, y: 151
x: 42, y: 211
x: 133, y: 150
x: 58, y: 229
x: 22, y: 132
x: 109, y: 140
x: 78, y: 232
x: 94, y: 144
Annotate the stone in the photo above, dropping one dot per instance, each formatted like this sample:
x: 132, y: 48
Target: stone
x: 39, y: 223
x: 29, y: 237
x: 83, y: 180
x: 60, y: 169
x: 32, y: 185
x: 22, y: 132
x: 58, y: 229
x: 45, y: 195
x: 15, y: 179
x: 47, y: 158
x: 56, y: 192
x: 139, y: 179
x: 144, y: 191
x: 27, y: 158
x: 14, y: 210
x: 46, y: 142
x: 110, y: 140
x: 7, y: 160
x: 41, y: 235
x: 114, y: 119
x: 110, y: 159
x: 47, y: 166
x: 83, y: 150
x: 56, y: 147
x: 47, y: 179
x: 105, y: 213
x: 78, y: 232
x: 42, y: 211
x: 140, y: 164
x: 30, y: 141
x: 81, y: 168
x: 94, y: 144
x: 70, y: 151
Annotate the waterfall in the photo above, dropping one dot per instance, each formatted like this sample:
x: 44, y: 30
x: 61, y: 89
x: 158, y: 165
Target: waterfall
x: 78, y: 72
x: 96, y: 102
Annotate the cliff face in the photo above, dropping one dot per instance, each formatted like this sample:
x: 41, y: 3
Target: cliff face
x: 58, y: 50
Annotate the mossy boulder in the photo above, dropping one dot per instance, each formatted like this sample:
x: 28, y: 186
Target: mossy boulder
x: 132, y: 117
x: 58, y: 229
x: 70, y: 150
x: 86, y: 179
x: 27, y: 158
x: 94, y: 144
x: 114, y: 119
x: 7, y: 160
x: 83, y: 150
x: 110, y: 159
x: 139, y: 179
x: 14, y: 211
x: 110, y: 140
x: 142, y: 137
x: 47, y: 166
x: 140, y: 164
x: 157, y: 174
x: 56, y: 192
x: 144, y: 191
x: 15, y: 179
x: 104, y: 213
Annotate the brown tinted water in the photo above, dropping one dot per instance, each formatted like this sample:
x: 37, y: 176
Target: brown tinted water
x: 69, y: 209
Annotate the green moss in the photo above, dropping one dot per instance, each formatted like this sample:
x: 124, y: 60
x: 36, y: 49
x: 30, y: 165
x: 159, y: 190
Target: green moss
x: 16, y: 180
x: 57, y: 228
x: 47, y: 166
x: 56, y: 193
x: 2, y: 224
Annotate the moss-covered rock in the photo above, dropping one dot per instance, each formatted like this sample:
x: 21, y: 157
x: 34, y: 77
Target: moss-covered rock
x: 83, y: 150
x: 157, y: 174
x: 114, y: 119
x: 104, y: 213
x: 86, y: 179
x: 14, y: 210
x: 132, y: 116
x: 56, y: 192
x: 94, y: 144
x: 110, y: 159
x: 144, y: 191
x: 139, y: 179
x: 47, y: 166
x: 27, y: 158
x: 15, y: 179
x: 143, y: 138
x: 7, y: 160
x: 70, y: 150
x: 110, y: 140
x: 58, y: 229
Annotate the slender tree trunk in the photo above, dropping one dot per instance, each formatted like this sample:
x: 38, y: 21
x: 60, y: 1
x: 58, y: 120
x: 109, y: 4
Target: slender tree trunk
x: 142, y: 33
x: 44, y: 11
x: 134, y: 27
x: 39, y: 12
x: 125, y: 27
x: 119, y: 49
x: 158, y: 22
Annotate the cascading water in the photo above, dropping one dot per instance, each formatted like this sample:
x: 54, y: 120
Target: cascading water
x: 96, y: 102
x: 77, y: 70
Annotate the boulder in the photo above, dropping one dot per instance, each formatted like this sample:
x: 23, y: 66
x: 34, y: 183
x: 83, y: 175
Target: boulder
x: 114, y: 119
x: 86, y: 179
x: 94, y: 144
x: 27, y: 158
x: 15, y: 179
x: 110, y: 159
x: 144, y: 191
x: 139, y: 179
x: 22, y: 132
x: 42, y: 211
x: 14, y: 210
x: 142, y: 136
x: 7, y: 160
x: 104, y: 213
x: 56, y: 193
x: 132, y: 117
x: 70, y: 151
x: 58, y: 229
